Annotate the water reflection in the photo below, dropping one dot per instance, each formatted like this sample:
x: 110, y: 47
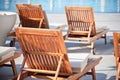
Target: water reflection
x: 57, y: 6
x: 51, y: 5
x: 29, y: 1
x: 118, y: 4
x: 7, y: 4
x: 102, y: 5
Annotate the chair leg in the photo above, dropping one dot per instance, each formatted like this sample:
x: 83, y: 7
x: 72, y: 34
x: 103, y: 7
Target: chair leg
x: 92, y: 48
x: 118, y: 72
x: 13, y: 67
x: 12, y: 42
x: 21, y: 76
x: 105, y: 39
x: 93, y: 73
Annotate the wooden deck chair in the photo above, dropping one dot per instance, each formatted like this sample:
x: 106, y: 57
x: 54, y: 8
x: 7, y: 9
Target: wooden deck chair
x: 45, y: 54
x: 7, y: 54
x: 116, y: 40
x: 35, y: 13
x: 81, y: 25
x: 31, y: 15
x: 32, y: 12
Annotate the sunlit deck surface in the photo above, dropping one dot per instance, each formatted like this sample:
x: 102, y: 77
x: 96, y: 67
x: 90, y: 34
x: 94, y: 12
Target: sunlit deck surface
x: 106, y: 70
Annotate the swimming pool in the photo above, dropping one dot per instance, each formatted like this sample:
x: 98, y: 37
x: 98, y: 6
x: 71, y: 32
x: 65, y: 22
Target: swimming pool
x: 57, y: 6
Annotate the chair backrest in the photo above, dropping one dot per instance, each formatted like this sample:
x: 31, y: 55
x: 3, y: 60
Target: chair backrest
x: 80, y: 19
x: 116, y: 40
x: 42, y: 47
x: 31, y: 15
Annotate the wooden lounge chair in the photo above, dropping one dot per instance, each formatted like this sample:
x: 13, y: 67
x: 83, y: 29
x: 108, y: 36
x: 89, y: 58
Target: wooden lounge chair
x: 7, y: 54
x: 32, y: 12
x: 31, y: 15
x: 116, y: 41
x: 81, y: 26
x: 45, y: 54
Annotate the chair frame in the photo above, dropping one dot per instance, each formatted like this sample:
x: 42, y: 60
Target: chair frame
x: 12, y: 62
x: 83, y: 27
x: 116, y: 41
x: 26, y: 13
x: 63, y: 69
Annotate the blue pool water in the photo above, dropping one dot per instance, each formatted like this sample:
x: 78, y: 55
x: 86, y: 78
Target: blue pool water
x: 57, y: 6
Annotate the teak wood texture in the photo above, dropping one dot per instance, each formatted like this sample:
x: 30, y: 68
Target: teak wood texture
x: 81, y: 25
x: 45, y: 54
x: 116, y: 41
x: 31, y: 16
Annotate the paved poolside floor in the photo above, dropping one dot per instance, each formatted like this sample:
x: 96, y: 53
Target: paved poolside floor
x: 106, y: 70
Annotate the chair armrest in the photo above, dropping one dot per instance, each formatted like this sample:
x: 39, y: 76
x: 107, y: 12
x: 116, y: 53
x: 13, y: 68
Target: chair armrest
x: 92, y: 62
x: 11, y: 34
x: 61, y: 27
x: 16, y: 55
x: 101, y: 29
